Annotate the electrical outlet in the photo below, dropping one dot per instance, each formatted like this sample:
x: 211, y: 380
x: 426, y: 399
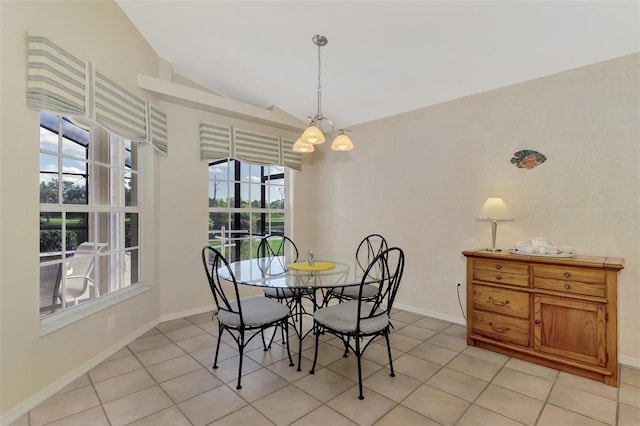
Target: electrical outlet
x: 111, y: 322
x: 460, y: 286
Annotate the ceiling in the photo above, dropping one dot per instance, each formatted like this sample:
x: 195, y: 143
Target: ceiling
x: 383, y: 57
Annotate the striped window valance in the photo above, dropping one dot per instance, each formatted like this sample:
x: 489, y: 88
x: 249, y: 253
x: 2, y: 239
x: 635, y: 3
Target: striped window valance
x: 218, y: 142
x: 60, y: 83
x: 55, y: 79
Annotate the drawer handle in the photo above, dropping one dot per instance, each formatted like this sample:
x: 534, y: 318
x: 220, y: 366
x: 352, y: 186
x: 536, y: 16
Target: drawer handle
x: 537, y: 322
x: 498, y: 266
x: 499, y: 330
x: 567, y: 274
x: 567, y: 286
x: 498, y: 277
x: 495, y: 302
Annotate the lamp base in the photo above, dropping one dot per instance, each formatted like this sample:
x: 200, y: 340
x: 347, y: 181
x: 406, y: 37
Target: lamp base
x: 493, y: 250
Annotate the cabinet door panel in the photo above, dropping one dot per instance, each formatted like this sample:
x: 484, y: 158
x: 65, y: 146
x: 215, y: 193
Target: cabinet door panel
x: 570, y: 328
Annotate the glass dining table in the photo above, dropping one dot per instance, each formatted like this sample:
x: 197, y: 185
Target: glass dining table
x: 303, y: 279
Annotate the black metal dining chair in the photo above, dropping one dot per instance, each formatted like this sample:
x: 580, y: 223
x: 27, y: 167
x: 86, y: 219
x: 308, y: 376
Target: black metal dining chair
x: 236, y: 316
x: 353, y: 320
x: 368, y: 249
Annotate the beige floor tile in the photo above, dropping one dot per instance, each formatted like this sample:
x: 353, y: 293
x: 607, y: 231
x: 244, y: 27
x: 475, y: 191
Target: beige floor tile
x: 91, y: 417
x: 174, y: 367
x: 136, y: 406
x: 21, y: 421
x: 324, y: 384
x: 510, y: 404
x: 276, y: 353
x: 554, y: 416
x: 211, y: 405
x: 587, y: 404
x: 403, y: 343
x: 109, y: 369
x: 63, y: 405
x: 630, y: 395
x: 123, y: 385
x: 440, y: 406
x: 191, y: 384
x: 159, y: 354
x: 173, y: 325
x: 361, y: 411
x: 434, y: 353
x: 145, y: 343
x: 456, y: 330
x: 119, y: 354
x: 479, y: 416
x: 243, y: 417
x: 400, y: 415
x: 282, y: 369
x: 286, y: 405
x: 184, y: 333
x: 630, y: 375
x: 587, y: 385
x: 475, y: 367
x: 259, y: 383
x: 80, y: 382
x: 628, y: 415
x: 415, y: 332
x: 193, y: 344
x: 227, y: 370
x: 210, y: 327
x: 207, y: 355
x: 450, y: 342
x: 533, y: 369
x: 532, y: 386
x: 168, y: 417
x: 415, y: 367
x: 151, y: 332
x: 405, y: 316
x: 395, y: 388
x: 377, y: 352
x: 324, y: 415
x: 492, y: 357
x: 432, y: 323
x: 458, y: 384
x: 348, y: 367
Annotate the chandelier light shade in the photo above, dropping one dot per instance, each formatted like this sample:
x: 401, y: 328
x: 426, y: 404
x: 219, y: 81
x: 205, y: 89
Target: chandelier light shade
x: 302, y: 146
x: 312, y: 134
x: 494, y: 210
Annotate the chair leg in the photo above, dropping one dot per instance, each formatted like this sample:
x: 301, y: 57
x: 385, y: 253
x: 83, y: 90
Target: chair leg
x: 241, y: 349
x: 285, y: 326
x: 215, y: 360
x: 386, y: 336
x: 359, y: 356
x: 315, y: 353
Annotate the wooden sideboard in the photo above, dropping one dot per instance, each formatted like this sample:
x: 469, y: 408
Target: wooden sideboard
x: 557, y: 312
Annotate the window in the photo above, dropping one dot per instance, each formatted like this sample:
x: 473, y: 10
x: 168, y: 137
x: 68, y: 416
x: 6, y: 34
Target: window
x: 246, y: 202
x: 89, y: 213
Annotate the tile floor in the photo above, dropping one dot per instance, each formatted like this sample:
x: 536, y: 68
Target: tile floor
x: 165, y: 378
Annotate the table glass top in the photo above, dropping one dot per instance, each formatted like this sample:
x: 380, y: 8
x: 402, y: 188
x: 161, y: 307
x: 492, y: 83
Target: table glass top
x: 274, y: 272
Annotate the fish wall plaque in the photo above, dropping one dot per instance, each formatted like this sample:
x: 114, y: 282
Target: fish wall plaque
x: 527, y: 159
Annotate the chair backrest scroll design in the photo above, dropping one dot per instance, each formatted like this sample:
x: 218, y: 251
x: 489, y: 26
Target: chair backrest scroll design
x: 213, y: 260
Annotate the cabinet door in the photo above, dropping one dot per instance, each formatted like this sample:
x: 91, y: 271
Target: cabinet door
x: 570, y: 328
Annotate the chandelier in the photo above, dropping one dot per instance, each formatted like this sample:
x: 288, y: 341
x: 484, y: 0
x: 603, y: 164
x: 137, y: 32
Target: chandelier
x: 313, y: 135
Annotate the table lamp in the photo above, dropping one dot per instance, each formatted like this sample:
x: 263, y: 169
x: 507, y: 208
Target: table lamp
x: 494, y: 210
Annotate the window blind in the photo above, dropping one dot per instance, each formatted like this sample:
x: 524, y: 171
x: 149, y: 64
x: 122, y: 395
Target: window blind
x: 62, y: 84
x: 157, y: 129
x: 55, y: 79
x: 218, y: 142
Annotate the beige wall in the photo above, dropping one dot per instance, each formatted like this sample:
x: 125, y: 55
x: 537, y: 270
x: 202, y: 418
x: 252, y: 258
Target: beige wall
x: 102, y: 34
x: 420, y: 178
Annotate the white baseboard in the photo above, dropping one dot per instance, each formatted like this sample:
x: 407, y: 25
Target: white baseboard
x: 41, y: 396
x: 432, y: 314
x: 631, y: 361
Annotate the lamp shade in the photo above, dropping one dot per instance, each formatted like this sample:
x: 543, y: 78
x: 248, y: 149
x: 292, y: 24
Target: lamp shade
x: 312, y: 135
x: 494, y: 209
x: 301, y: 146
x: 342, y: 142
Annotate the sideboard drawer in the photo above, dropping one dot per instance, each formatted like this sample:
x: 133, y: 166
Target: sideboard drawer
x: 501, y: 277
x: 501, y: 327
x: 500, y: 266
x: 502, y: 301
x: 575, y: 287
x: 571, y: 274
